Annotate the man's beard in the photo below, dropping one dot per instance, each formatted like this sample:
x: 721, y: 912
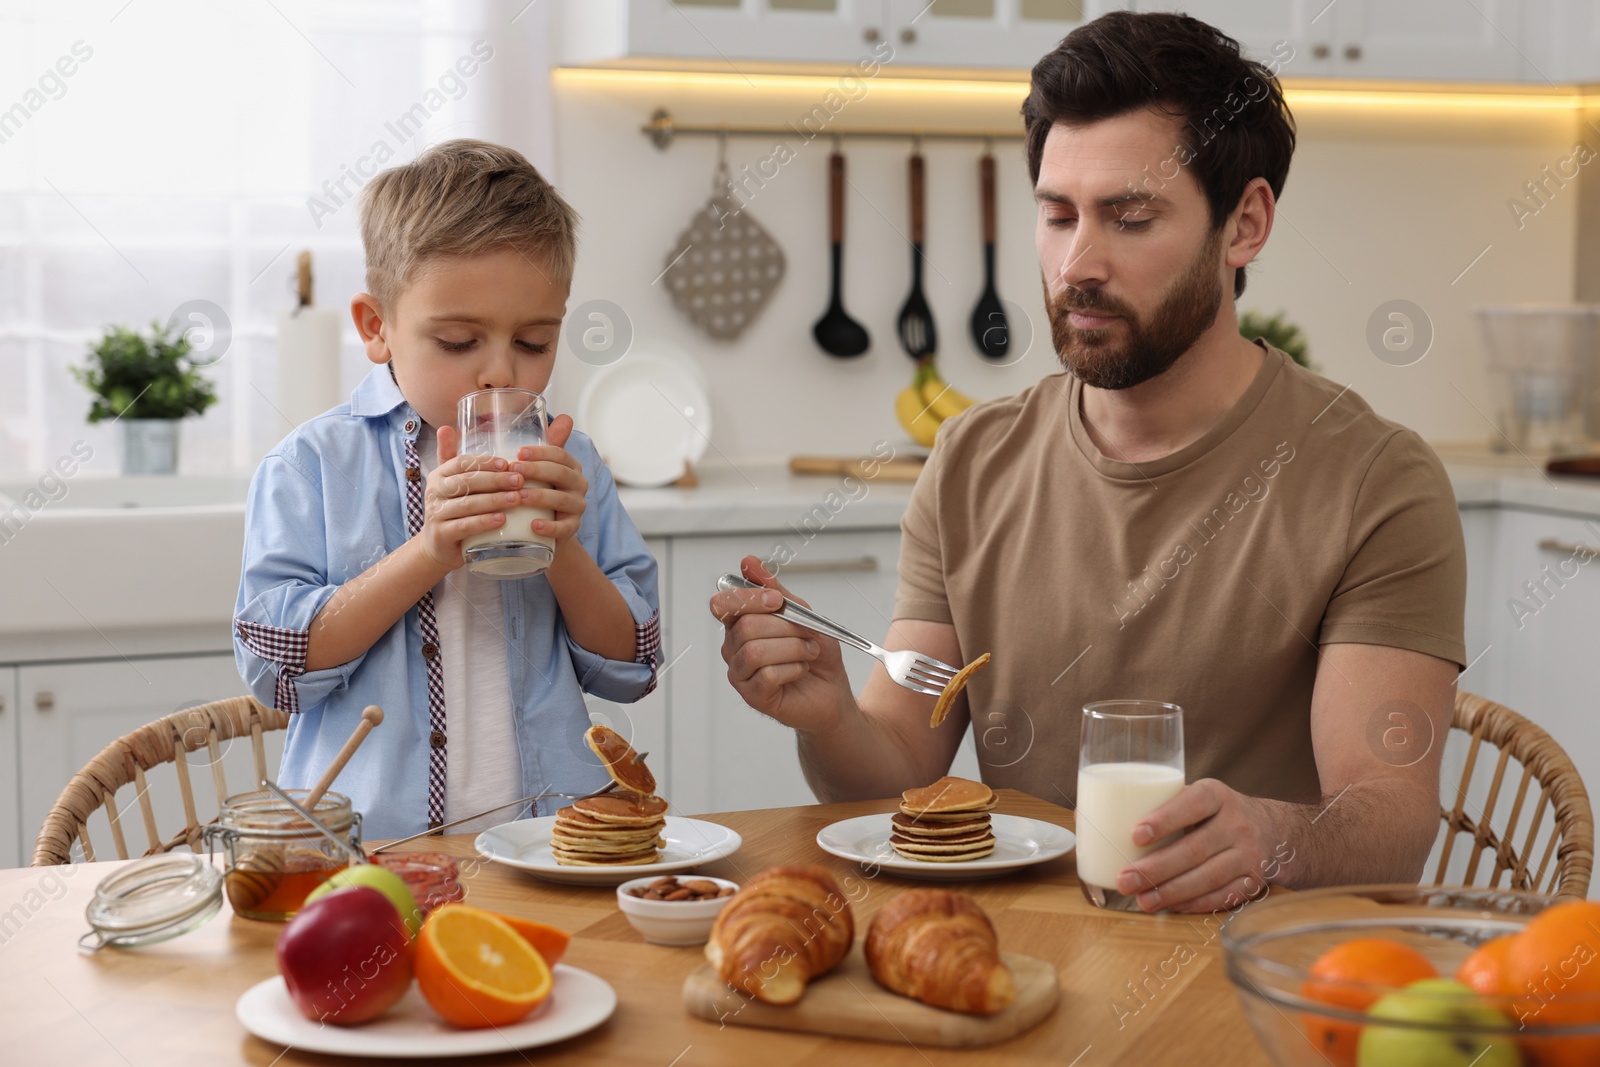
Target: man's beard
x: 1148, y: 350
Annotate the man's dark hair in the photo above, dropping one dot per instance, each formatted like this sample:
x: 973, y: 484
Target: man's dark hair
x: 1235, y: 124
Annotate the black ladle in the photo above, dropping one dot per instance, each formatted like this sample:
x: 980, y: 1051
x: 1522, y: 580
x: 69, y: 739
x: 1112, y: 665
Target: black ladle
x: 837, y: 333
x: 917, y: 333
x: 990, y: 332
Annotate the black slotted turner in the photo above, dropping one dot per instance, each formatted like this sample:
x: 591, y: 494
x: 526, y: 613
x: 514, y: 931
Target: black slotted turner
x: 918, y: 335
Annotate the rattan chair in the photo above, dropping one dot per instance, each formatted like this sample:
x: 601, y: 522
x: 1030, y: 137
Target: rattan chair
x: 1546, y: 767
x: 126, y: 760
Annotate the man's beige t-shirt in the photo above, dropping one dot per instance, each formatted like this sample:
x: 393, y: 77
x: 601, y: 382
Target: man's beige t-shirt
x: 1208, y: 578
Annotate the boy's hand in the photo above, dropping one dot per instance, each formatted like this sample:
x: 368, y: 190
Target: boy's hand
x: 465, y: 495
x: 555, y: 481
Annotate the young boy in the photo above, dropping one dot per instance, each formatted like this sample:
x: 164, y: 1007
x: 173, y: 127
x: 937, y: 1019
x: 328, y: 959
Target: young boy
x: 354, y: 590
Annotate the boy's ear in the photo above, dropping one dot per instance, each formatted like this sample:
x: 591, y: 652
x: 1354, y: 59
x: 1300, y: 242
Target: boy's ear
x: 368, y: 316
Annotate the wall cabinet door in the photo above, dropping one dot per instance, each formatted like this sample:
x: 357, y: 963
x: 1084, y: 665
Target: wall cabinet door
x: 1543, y: 601
x: 10, y: 787
x: 723, y: 32
x: 70, y: 711
x: 1560, y: 40
x: 1006, y: 34
x: 1428, y: 40
x: 645, y: 722
x: 1298, y: 34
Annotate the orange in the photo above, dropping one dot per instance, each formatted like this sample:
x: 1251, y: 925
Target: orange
x: 476, y: 971
x: 1554, y: 970
x: 1340, y: 977
x: 546, y: 940
x: 1485, y: 969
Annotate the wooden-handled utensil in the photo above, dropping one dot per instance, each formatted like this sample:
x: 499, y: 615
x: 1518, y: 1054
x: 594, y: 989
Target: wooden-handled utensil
x: 989, y: 327
x: 370, y: 717
x: 917, y: 333
x: 836, y: 332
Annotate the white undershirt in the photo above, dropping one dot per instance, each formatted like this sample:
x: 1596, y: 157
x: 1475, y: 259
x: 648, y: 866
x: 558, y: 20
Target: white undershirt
x: 484, y: 766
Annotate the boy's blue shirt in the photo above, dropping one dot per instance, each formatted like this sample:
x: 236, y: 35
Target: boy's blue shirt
x: 334, y: 498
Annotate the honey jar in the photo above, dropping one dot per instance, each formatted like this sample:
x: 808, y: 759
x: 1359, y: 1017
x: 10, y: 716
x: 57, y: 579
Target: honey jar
x: 275, y: 858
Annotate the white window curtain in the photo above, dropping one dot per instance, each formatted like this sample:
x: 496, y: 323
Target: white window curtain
x: 155, y: 153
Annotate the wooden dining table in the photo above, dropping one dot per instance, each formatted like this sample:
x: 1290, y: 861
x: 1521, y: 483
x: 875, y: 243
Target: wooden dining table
x: 1148, y: 990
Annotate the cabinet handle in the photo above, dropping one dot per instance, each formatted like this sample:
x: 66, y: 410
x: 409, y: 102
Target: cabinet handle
x: 908, y: 36
x: 44, y: 701
x: 1352, y: 51
x: 1565, y: 548
x: 832, y: 566
x: 1320, y: 51
x: 870, y: 35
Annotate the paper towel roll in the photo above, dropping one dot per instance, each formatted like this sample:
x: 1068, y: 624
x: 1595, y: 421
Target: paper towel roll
x: 308, y: 364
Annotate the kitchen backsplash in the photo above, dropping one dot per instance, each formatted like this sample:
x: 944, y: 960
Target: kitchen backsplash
x: 1384, y: 202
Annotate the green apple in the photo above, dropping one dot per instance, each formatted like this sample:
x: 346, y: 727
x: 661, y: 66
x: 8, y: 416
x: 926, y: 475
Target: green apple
x: 1443, y: 1002
x: 384, y: 881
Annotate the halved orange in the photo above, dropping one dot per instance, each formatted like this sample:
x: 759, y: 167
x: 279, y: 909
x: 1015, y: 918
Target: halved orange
x: 476, y: 970
x: 548, y: 941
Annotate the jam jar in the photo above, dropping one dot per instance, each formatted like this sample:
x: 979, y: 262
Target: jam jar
x: 274, y: 856
x: 433, y: 877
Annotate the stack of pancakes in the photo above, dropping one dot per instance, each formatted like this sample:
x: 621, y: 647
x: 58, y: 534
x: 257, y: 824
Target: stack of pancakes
x: 609, y: 831
x: 945, y: 822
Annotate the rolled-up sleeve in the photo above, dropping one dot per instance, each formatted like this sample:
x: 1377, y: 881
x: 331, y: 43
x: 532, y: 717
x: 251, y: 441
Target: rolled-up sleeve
x: 619, y: 549
x: 282, y: 587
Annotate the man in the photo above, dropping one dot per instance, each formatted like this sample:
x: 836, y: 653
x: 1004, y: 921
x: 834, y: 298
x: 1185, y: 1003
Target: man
x: 1184, y: 515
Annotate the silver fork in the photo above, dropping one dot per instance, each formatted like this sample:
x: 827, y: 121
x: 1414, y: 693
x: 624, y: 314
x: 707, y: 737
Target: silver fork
x: 913, y: 670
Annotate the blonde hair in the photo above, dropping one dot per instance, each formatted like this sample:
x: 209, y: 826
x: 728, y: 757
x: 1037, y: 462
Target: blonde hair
x: 460, y: 198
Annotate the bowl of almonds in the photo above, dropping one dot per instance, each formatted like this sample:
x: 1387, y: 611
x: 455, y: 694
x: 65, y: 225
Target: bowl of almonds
x: 674, y: 911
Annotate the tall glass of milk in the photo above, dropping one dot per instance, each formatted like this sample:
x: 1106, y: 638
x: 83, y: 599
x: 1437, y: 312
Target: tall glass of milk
x: 1130, y: 762
x: 498, y: 422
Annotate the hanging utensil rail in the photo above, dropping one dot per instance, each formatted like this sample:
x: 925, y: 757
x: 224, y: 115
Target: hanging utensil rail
x: 662, y: 128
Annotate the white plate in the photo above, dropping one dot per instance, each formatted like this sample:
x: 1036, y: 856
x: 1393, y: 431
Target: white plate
x: 525, y: 843
x: 579, y: 1002
x: 649, y: 414
x: 1019, y: 843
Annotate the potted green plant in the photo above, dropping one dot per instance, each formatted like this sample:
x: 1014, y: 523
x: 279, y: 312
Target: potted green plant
x: 148, y: 384
x: 1279, y: 332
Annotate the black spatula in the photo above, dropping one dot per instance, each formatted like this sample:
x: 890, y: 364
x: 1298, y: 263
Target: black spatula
x: 989, y: 328
x: 837, y: 333
x: 917, y: 333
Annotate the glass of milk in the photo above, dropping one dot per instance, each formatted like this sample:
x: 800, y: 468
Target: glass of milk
x: 498, y: 422
x: 1130, y: 762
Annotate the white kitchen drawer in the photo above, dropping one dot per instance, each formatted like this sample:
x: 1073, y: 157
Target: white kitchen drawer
x: 645, y: 722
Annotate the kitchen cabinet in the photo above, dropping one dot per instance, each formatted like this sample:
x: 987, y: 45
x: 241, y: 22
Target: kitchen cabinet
x: 1418, y: 40
x: 1004, y: 34
x: 69, y: 711
x: 646, y: 722
x: 1561, y: 39
x: 1542, y: 601
x: 10, y: 787
x: 725, y: 755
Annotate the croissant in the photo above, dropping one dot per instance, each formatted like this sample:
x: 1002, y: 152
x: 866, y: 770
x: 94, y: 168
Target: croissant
x: 939, y: 947
x: 786, y: 926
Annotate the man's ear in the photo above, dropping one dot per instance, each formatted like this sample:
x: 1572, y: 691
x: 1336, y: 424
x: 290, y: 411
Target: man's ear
x: 1252, y: 223
x: 368, y: 316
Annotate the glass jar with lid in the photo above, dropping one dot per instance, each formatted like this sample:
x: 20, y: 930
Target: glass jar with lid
x: 274, y: 856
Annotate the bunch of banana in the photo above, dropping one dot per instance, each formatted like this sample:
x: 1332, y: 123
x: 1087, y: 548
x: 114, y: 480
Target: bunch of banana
x: 927, y: 402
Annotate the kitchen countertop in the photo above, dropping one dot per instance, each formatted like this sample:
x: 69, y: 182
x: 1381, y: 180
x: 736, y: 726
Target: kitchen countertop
x: 73, y: 588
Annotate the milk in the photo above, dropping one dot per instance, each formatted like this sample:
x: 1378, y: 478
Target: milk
x: 518, y: 528
x: 1112, y: 798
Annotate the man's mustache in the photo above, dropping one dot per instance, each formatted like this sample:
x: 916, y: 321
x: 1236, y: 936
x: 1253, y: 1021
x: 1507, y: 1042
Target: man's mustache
x: 1090, y: 300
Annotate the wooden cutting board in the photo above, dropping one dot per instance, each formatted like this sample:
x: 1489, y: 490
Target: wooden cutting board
x: 901, y: 469
x: 847, y: 1002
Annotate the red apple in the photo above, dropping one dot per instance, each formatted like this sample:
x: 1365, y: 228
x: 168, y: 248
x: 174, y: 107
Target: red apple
x: 346, y: 957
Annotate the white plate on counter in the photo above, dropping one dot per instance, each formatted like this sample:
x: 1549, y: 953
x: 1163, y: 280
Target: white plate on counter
x: 579, y: 1002
x: 649, y: 415
x: 1019, y: 843
x: 525, y: 844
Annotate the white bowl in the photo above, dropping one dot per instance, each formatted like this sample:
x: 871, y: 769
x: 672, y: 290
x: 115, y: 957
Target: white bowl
x: 672, y: 922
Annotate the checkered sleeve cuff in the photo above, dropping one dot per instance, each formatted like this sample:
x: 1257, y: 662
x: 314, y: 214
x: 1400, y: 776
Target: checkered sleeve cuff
x: 647, y: 646
x: 286, y: 649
